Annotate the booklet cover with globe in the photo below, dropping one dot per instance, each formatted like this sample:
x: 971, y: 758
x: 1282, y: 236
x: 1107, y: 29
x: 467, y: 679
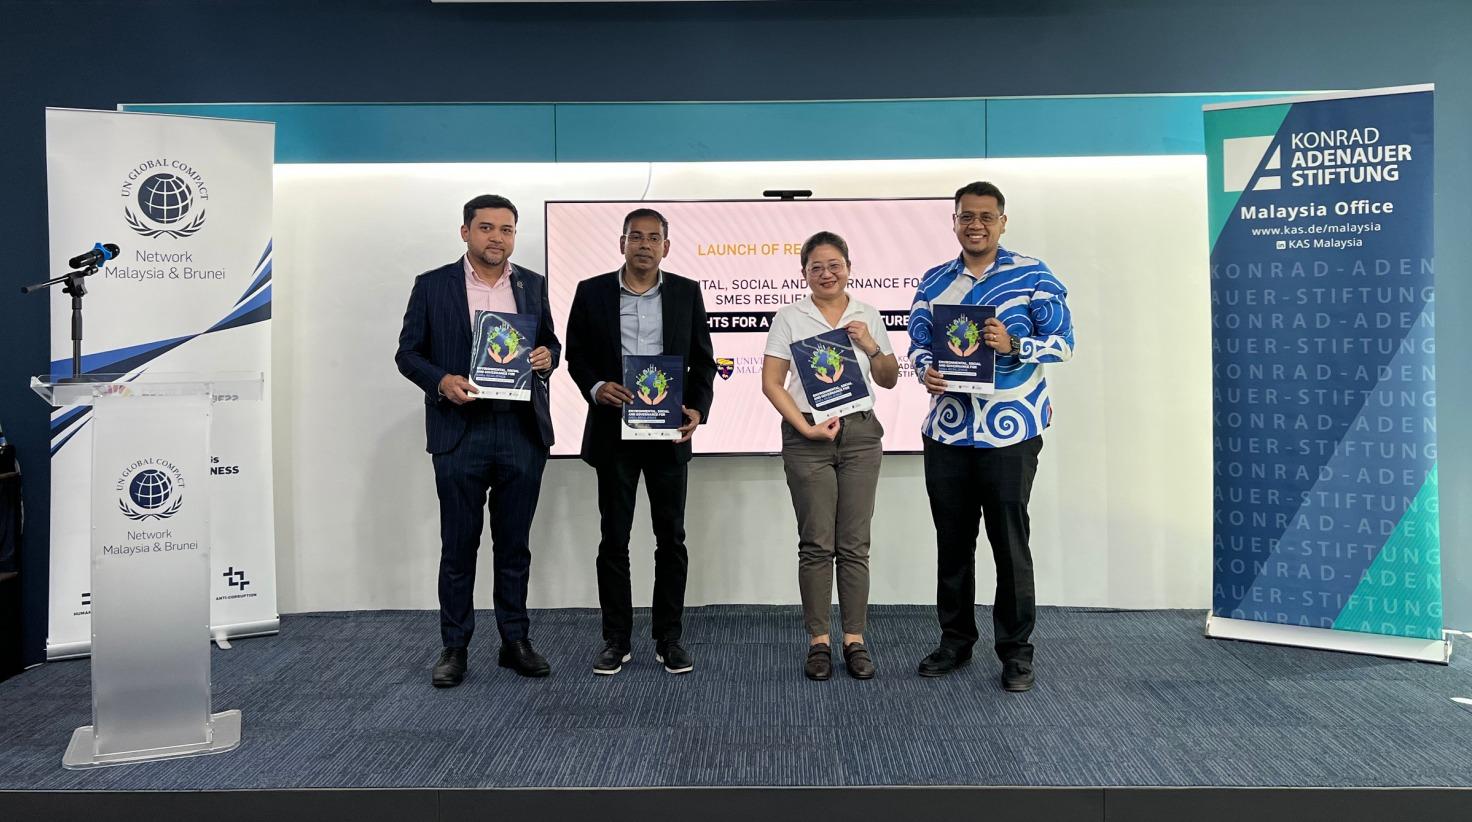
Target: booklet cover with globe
x: 968, y: 365
x: 658, y: 385
x: 831, y: 377
x: 500, y: 359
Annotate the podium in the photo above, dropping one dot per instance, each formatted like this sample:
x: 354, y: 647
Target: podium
x: 150, y: 563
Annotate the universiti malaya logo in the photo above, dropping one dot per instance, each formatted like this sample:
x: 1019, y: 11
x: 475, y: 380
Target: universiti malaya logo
x: 725, y: 367
x: 169, y: 196
x: 1240, y: 158
x: 653, y: 385
x: 150, y: 489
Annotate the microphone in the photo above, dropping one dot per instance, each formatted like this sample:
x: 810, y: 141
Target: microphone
x: 100, y: 253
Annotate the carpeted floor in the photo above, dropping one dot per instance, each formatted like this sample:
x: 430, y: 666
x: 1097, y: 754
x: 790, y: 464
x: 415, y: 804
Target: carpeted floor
x: 1134, y: 698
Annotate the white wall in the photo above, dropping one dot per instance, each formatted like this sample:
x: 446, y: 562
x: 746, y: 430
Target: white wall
x: 1121, y: 509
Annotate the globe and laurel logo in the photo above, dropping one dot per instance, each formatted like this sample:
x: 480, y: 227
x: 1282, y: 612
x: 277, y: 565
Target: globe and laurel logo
x: 169, y: 199
x: 963, y: 336
x: 151, y: 490
x: 504, y: 343
x: 826, y: 363
x: 653, y: 385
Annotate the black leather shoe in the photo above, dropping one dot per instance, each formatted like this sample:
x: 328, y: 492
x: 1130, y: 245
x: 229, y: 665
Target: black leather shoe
x: 943, y: 660
x: 521, y: 658
x: 676, y: 659
x: 611, y: 660
x: 1016, y: 675
x: 856, y: 659
x: 820, y: 662
x: 450, y: 670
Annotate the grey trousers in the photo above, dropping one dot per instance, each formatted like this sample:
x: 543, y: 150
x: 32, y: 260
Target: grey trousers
x: 833, y: 486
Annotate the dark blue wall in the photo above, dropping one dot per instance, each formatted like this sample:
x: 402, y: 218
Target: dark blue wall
x: 99, y: 53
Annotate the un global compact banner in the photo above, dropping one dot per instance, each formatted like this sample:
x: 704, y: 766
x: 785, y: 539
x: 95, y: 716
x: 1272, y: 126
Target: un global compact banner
x: 1324, y: 375
x: 188, y: 201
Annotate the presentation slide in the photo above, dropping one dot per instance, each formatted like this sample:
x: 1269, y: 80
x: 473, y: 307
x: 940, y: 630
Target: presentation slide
x: 746, y: 256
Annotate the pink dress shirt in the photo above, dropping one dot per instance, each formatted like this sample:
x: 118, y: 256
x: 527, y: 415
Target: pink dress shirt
x: 484, y: 297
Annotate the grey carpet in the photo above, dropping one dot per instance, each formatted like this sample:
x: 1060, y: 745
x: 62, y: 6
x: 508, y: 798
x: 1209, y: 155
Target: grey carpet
x: 1135, y: 698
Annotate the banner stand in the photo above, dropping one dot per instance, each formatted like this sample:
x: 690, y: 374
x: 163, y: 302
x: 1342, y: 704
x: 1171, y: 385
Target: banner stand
x: 1328, y: 639
x: 1326, y: 521
x: 182, y: 206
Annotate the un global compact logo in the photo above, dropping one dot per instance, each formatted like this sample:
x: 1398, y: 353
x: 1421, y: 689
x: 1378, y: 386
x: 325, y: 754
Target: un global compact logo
x: 169, y: 196
x: 150, y: 489
x: 653, y: 385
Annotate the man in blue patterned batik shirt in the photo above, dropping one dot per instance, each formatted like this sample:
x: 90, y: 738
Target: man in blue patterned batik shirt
x: 981, y: 451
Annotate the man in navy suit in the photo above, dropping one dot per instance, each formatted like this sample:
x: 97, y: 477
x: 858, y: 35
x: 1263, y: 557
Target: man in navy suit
x: 481, y: 447
x: 639, y: 310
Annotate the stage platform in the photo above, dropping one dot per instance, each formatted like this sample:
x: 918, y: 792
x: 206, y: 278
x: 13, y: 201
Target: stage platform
x: 1135, y: 716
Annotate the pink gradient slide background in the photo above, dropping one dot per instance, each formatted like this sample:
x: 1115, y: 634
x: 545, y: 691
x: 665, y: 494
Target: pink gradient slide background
x: 745, y: 253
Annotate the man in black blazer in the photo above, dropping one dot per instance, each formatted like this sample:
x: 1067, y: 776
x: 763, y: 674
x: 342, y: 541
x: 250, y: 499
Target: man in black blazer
x: 481, y: 446
x: 639, y: 310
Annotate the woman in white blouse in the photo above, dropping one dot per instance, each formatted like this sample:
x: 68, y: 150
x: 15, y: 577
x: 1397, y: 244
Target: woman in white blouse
x: 832, y: 467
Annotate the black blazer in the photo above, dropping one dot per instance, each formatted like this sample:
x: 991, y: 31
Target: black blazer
x: 436, y: 341
x: 595, y: 354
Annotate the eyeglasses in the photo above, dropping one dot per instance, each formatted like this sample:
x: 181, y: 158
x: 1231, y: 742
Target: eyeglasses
x: 636, y: 238
x: 985, y: 218
x: 834, y: 267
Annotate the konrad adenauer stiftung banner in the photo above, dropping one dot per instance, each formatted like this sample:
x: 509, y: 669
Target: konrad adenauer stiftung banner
x: 188, y: 201
x: 1324, y: 375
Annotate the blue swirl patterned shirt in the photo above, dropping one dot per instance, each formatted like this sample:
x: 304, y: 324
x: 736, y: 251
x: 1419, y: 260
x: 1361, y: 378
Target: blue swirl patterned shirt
x: 1031, y: 302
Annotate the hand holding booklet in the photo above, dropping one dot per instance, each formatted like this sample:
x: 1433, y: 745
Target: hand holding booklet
x: 658, y: 385
x: 968, y: 365
x: 500, y: 358
x: 832, y: 380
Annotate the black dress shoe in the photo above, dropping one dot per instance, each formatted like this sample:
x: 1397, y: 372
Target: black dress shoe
x: 1017, y: 675
x: 521, y: 658
x: 820, y: 662
x: 943, y: 660
x: 450, y: 670
x: 611, y: 660
x: 676, y: 659
x: 856, y: 659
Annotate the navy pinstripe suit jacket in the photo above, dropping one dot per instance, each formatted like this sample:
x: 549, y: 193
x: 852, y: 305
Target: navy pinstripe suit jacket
x: 435, y: 341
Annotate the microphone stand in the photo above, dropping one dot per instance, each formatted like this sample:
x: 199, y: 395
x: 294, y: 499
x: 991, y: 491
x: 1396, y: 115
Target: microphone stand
x: 73, y: 280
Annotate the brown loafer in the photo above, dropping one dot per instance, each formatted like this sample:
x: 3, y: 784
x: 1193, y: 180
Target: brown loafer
x: 856, y: 659
x: 820, y: 662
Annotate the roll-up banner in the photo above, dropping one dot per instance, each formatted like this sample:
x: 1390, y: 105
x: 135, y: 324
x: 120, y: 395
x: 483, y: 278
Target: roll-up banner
x: 188, y: 202
x: 1324, y: 374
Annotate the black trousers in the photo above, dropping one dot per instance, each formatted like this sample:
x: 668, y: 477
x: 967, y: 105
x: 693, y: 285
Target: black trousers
x: 967, y: 485
x: 618, y: 484
x: 499, y: 459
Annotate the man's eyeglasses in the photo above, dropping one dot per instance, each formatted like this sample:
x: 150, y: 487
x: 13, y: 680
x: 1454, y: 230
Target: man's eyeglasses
x: 985, y: 218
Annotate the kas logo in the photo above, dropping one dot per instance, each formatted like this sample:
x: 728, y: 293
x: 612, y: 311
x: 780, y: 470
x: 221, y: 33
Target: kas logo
x: 170, y: 197
x: 151, y: 489
x: 1240, y: 158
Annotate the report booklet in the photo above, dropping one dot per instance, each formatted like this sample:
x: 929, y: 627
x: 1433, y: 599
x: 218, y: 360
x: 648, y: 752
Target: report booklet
x: 968, y: 365
x: 832, y: 380
x: 500, y: 359
x: 658, y: 385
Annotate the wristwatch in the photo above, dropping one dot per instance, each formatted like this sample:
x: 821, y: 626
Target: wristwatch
x: 1016, y: 345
